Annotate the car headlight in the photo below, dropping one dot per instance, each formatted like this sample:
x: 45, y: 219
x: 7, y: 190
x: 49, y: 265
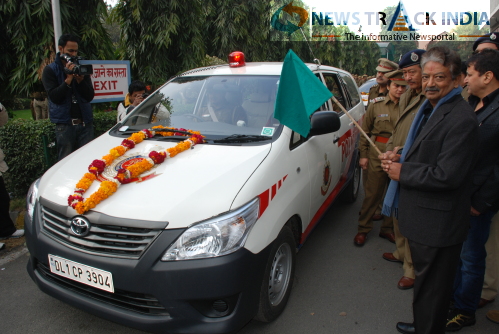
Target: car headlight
x: 217, y: 236
x: 31, y: 199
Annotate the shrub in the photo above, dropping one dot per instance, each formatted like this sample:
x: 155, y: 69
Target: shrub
x: 26, y: 154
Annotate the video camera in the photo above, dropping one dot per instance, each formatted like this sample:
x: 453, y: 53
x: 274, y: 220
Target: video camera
x: 78, y: 69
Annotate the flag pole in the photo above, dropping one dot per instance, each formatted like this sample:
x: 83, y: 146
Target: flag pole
x: 357, y: 125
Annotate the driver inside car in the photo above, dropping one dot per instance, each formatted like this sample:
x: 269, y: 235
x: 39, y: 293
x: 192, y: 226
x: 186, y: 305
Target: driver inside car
x: 224, y: 105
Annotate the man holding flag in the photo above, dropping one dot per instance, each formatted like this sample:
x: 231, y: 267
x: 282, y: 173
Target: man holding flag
x: 431, y: 187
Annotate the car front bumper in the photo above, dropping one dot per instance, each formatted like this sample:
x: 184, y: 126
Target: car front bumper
x: 214, y: 295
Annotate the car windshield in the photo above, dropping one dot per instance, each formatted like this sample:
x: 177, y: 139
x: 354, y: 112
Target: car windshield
x: 220, y: 107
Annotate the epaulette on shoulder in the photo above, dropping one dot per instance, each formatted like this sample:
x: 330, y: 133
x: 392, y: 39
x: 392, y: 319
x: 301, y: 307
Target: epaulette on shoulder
x: 374, y: 86
x: 377, y: 99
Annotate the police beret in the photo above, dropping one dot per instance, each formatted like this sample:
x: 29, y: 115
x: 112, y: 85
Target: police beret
x: 411, y: 58
x: 397, y: 77
x: 490, y: 38
x: 385, y: 65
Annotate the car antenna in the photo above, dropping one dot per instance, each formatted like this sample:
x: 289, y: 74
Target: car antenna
x: 316, y: 61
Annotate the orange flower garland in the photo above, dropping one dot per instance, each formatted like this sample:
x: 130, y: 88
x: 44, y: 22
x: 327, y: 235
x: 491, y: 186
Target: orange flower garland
x: 107, y: 188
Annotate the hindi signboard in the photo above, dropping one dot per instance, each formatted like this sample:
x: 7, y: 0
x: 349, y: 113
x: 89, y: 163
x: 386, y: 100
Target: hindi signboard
x: 110, y: 80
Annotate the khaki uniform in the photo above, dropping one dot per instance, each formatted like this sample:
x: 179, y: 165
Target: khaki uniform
x: 385, y: 66
x: 378, y: 123
x: 409, y: 104
x: 374, y: 93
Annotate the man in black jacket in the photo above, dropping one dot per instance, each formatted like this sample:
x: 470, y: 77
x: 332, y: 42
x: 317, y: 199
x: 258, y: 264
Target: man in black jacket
x: 69, y: 99
x: 432, y: 195
x: 483, y: 85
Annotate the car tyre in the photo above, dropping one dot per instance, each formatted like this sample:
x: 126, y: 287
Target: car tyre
x: 278, y: 278
x: 349, y: 195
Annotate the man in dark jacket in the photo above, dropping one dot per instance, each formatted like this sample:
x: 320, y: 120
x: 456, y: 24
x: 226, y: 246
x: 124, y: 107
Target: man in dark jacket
x: 483, y: 85
x: 432, y: 195
x: 69, y: 99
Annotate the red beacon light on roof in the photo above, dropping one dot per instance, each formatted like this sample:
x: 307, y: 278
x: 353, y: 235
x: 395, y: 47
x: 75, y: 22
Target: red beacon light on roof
x: 236, y: 59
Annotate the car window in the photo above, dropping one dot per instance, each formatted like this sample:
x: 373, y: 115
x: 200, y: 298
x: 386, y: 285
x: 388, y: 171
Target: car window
x: 324, y: 106
x: 351, y: 88
x: 217, y: 106
x: 333, y: 84
x: 296, y: 140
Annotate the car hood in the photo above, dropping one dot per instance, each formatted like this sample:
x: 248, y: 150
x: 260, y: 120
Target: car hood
x: 194, y: 185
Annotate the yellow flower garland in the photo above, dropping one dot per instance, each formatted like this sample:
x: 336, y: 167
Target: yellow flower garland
x: 107, y: 188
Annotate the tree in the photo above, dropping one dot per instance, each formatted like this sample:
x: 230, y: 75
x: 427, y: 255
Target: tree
x: 161, y: 37
x: 354, y: 56
x: 462, y: 45
x: 238, y: 26
x: 27, y: 39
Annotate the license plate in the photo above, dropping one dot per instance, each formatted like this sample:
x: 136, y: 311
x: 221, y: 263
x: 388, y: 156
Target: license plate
x: 97, y: 278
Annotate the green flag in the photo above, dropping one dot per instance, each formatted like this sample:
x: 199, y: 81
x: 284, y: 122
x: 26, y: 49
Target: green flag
x: 300, y: 93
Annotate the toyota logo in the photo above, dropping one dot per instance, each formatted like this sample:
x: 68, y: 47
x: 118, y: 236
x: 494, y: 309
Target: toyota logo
x: 80, y: 226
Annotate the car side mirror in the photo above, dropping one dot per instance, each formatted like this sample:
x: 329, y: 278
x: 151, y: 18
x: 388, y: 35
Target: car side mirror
x: 323, y: 122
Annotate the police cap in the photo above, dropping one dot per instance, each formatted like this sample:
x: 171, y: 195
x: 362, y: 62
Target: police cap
x: 397, y: 77
x: 411, y: 58
x: 490, y: 38
x: 385, y: 65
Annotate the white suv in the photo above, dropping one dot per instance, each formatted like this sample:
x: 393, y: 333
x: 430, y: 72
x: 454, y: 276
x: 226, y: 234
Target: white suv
x: 205, y: 241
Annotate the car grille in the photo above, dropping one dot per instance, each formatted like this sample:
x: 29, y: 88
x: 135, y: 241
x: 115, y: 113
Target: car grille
x: 132, y: 301
x: 107, y: 240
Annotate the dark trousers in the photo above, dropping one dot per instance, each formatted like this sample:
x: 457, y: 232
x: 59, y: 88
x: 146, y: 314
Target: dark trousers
x: 435, y: 269
x: 69, y: 138
x: 471, y: 270
x: 6, y: 225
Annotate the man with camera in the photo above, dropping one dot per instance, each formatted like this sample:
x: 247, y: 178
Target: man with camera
x: 136, y: 94
x: 70, y: 93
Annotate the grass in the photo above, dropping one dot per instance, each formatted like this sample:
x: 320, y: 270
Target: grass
x: 26, y: 114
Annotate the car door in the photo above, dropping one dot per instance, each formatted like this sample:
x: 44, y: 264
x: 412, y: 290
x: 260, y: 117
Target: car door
x: 346, y: 136
x: 324, y: 158
x: 356, y: 109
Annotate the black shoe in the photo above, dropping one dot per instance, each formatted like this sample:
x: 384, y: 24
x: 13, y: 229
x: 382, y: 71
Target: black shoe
x: 457, y: 319
x: 406, y: 328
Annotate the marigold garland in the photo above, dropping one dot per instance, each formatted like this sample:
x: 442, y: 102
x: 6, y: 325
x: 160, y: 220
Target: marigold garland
x: 128, y: 174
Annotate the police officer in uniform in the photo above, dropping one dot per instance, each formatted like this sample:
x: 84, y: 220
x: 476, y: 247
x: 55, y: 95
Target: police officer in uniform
x: 409, y: 105
x: 378, y: 123
x: 380, y: 89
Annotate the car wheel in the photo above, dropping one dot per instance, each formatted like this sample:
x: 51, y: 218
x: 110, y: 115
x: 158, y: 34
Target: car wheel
x: 349, y: 195
x: 278, y: 278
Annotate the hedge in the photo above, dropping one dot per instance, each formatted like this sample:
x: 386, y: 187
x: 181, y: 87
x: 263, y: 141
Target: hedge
x: 22, y: 141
